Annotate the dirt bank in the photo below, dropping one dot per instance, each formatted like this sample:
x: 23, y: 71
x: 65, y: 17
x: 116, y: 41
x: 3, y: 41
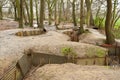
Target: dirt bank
x: 12, y: 47
x: 73, y: 72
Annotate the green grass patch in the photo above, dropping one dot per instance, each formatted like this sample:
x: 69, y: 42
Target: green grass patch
x: 99, y: 22
x: 117, y: 25
x: 95, y: 52
x: 117, y: 33
x: 68, y: 51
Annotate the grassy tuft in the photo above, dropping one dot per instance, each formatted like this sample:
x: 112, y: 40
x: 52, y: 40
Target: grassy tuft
x: 95, y: 52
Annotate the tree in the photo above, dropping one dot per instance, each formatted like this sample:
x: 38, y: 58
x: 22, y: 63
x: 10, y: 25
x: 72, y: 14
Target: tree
x: 73, y: 13
x: 81, y: 29
x: 55, y: 14
x: 42, y: 3
x: 27, y: 10
x: 37, y: 17
x: 89, y: 19
x: 21, y: 14
x: 116, y: 14
x: 31, y: 13
x: 15, y: 9
x: 60, y: 10
x: 24, y: 16
x: 19, y: 4
x: 98, y: 16
x: 108, y: 28
x: 1, y: 14
x: 18, y: 9
x: 67, y: 11
x: 51, y: 5
x: 2, y: 3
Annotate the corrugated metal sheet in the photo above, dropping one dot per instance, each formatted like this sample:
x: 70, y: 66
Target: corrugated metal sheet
x: 19, y: 69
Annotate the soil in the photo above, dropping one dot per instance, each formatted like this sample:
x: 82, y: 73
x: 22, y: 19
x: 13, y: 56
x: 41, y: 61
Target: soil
x: 73, y: 72
x: 92, y: 37
x: 12, y: 48
x: 50, y: 43
x: 8, y: 24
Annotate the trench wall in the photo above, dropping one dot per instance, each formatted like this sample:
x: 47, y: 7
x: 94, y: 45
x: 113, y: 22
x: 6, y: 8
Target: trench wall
x: 18, y: 70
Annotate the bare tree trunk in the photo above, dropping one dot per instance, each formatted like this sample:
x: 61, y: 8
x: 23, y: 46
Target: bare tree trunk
x: 88, y: 12
x: 36, y: 5
x: 24, y: 16
x: 63, y: 13
x: 108, y: 28
x: 81, y: 29
x: 1, y: 14
x: 49, y: 12
x: 55, y: 15
x: 114, y: 13
x: 18, y: 9
x: 51, y: 4
x: 50, y: 17
x: 89, y: 19
x: 60, y: 11
x: 67, y: 11
x: 15, y: 13
x: 73, y: 13
x: 42, y: 3
x: 21, y: 14
x: 99, y: 8
x: 31, y: 13
x: 15, y: 10
x: 27, y: 9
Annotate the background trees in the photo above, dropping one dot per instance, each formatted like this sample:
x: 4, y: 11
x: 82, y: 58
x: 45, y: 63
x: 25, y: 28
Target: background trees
x: 96, y: 13
x: 2, y: 3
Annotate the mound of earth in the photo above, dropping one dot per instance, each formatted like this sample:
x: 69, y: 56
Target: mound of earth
x: 8, y: 24
x: 63, y: 26
x: 80, y: 49
x: 73, y: 72
x: 92, y: 37
x: 51, y: 43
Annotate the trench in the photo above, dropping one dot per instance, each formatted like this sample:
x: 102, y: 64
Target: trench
x: 18, y: 70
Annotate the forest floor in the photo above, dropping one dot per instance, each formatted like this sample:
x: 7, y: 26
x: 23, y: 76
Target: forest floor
x: 12, y: 48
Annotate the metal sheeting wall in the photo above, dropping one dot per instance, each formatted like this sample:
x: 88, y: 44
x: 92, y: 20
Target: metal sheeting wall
x: 41, y: 59
x: 19, y: 69
x: 114, y: 54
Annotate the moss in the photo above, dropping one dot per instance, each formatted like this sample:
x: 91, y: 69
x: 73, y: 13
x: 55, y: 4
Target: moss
x: 95, y: 52
x: 117, y: 33
x: 68, y: 51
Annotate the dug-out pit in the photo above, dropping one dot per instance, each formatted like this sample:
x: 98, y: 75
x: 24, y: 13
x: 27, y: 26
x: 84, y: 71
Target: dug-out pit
x: 18, y: 70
